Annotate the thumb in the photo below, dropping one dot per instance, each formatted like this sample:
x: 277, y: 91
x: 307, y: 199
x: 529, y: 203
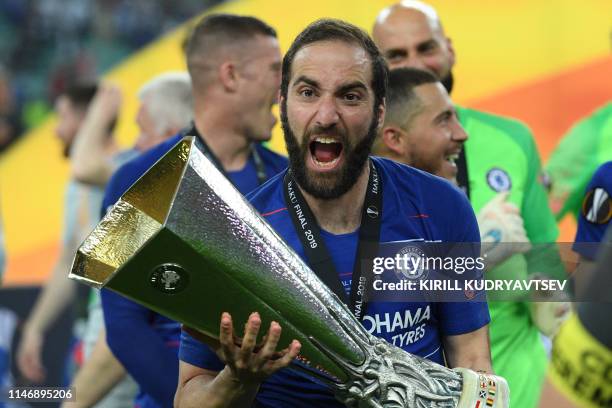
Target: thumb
x: 501, y: 197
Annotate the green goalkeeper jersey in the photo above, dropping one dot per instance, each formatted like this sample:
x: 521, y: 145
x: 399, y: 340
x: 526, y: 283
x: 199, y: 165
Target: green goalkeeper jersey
x: 586, y: 146
x: 501, y: 156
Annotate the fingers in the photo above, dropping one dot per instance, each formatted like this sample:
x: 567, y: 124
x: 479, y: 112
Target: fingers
x: 503, y: 196
x: 251, y: 330
x: 226, y: 338
x: 248, y: 361
x: 284, y: 361
x: 271, y: 341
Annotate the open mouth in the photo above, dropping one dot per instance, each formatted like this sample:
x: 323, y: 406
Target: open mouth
x: 325, y: 151
x: 452, y: 158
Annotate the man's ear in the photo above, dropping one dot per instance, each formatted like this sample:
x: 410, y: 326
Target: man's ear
x: 228, y: 76
x: 382, y: 108
x: 451, y: 51
x: 394, y: 139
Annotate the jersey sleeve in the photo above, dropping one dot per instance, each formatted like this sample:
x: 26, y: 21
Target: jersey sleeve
x: 196, y: 353
x: 595, y: 213
x: 472, y: 313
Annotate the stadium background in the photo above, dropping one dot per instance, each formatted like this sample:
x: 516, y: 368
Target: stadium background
x: 546, y: 62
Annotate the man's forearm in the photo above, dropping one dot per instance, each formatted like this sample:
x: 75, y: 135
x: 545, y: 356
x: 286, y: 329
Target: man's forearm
x: 469, y: 350
x: 100, y: 373
x: 56, y: 295
x: 89, y: 157
x: 221, y: 392
x: 477, y: 363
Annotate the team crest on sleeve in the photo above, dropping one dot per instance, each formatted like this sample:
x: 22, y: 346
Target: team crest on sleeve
x: 499, y: 180
x: 597, y: 206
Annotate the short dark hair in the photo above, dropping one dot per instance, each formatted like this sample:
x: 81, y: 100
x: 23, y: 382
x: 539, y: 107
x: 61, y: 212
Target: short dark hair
x: 402, y: 101
x: 328, y: 29
x: 80, y: 94
x: 217, y: 30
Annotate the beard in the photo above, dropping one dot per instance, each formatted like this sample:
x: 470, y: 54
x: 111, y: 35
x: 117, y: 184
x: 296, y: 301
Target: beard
x: 333, y: 184
x: 448, y: 81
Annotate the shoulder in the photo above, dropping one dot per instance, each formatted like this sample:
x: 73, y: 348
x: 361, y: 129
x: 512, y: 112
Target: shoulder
x: 602, y: 178
x: 272, y: 159
x: 141, y: 163
x: 268, y: 197
x: 598, y: 119
x: 413, y: 192
x: 486, y: 118
x: 513, y: 128
x: 131, y: 171
x: 417, y: 184
x: 596, y: 211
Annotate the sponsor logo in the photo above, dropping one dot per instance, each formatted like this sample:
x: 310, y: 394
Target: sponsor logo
x: 169, y: 278
x: 597, y: 206
x: 499, y: 180
x: 372, y: 211
x: 401, y: 328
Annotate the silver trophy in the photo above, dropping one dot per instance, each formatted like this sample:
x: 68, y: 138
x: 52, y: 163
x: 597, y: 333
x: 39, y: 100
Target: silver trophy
x: 183, y: 242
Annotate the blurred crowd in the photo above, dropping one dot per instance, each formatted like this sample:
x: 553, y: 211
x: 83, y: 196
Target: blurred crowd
x: 45, y: 44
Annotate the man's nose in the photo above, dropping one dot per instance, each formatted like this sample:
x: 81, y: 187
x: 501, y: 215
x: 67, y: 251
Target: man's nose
x: 327, y: 112
x: 459, y: 134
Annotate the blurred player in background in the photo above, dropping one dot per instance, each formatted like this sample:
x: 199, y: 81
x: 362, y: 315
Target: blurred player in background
x: 499, y: 172
x: 234, y: 64
x: 82, y: 204
x: 165, y: 107
x: 586, y: 145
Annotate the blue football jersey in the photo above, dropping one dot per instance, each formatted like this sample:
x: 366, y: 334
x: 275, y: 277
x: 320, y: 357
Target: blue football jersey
x: 595, y: 213
x: 417, y: 206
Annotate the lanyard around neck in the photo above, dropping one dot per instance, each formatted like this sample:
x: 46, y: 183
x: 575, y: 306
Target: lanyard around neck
x: 318, y: 255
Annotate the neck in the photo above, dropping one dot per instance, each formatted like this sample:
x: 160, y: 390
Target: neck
x: 230, y: 147
x: 341, y: 215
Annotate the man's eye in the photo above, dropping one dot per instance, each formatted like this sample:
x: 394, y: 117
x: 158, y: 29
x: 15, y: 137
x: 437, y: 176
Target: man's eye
x: 396, y: 55
x: 306, y: 93
x: 444, y: 119
x: 428, y: 48
x: 351, y: 97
